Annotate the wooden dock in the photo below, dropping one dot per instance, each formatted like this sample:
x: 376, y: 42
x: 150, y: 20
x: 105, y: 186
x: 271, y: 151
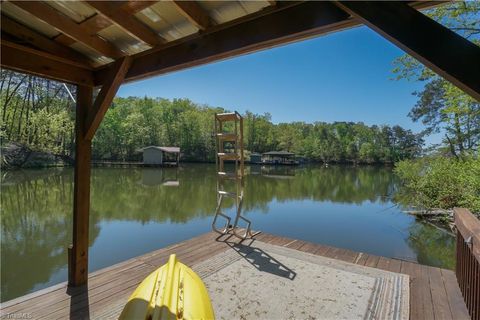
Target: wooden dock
x: 434, y: 292
x: 127, y: 164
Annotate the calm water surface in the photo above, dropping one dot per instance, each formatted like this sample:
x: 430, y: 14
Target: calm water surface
x: 137, y: 210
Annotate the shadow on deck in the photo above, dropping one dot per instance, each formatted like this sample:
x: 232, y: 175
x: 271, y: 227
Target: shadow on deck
x: 434, y: 292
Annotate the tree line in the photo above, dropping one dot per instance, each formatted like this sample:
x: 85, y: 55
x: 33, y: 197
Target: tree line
x: 40, y: 114
x: 132, y: 123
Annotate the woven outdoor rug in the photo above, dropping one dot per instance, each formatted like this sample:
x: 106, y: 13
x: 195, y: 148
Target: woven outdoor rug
x: 265, y: 281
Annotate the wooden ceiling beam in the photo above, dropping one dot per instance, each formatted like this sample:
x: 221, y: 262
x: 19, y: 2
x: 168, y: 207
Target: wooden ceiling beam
x: 28, y: 36
x: 67, y: 26
x: 195, y: 14
x: 98, y: 22
x: 113, y: 11
x: 106, y: 95
x: 270, y: 28
x: 32, y: 61
x: 91, y: 25
x: 134, y: 6
x: 446, y: 53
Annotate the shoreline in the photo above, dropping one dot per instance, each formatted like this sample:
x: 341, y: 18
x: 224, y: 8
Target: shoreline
x: 113, y: 163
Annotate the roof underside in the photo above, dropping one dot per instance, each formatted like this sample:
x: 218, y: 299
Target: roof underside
x: 163, y: 21
x: 87, y: 37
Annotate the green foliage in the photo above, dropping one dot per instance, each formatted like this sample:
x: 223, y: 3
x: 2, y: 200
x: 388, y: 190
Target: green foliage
x: 36, y: 112
x: 39, y: 113
x: 441, y: 106
x: 133, y: 123
x: 440, y: 182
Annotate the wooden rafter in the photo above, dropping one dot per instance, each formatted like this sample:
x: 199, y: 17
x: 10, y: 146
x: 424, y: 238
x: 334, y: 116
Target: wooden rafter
x: 28, y: 60
x: 98, y: 22
x: 134, y: 6
x: 439, y: 48
x: 257, y: 31
x: 67, y: 26
x: 91, y: 25
x: 127, y: 21
x: 195, y: 14
x: 271, y: 28
x: 106, y: 95
x: 28, y: 36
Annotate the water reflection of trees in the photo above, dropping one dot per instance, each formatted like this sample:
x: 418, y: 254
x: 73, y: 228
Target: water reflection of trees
x: 338, y: 184
x: 36, y: 228
x: 433, y: 247
x: 37, y: 206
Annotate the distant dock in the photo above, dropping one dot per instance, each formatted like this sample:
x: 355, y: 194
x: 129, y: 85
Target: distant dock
x: 123, y: 164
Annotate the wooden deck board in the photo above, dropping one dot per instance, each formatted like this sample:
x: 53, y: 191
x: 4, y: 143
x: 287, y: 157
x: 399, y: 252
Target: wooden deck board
x: 455, y: 301
x: 434, y: 292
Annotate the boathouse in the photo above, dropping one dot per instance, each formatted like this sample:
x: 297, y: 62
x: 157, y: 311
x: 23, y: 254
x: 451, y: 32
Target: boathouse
x: 255, y: 158
x: 278, y: 157
x: 158, y: 156
x: 102, y: 44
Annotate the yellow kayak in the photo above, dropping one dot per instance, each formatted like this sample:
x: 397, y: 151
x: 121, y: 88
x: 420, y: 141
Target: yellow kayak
x: 173, y: 291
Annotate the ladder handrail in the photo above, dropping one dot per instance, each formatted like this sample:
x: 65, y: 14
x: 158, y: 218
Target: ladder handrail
x: 238, y: 175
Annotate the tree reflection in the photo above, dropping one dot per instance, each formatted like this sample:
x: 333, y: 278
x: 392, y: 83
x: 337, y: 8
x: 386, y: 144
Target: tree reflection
x: 37, y: 207
x: 433, y: 247
x: 36, y: 228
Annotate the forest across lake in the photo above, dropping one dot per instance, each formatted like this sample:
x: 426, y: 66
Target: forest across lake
x: 39, y: 115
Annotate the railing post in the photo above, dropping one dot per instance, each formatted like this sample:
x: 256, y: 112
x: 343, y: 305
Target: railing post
x: 468, y: 259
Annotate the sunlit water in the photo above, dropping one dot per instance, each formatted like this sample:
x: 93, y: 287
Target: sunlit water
x: 137, y: 210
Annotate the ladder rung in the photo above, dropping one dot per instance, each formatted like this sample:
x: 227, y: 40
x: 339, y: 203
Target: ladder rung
x: 228, y: 175
x: 227, y: 137
x: 230, y: 116
x: 228, y: 194
x: 228, y: 156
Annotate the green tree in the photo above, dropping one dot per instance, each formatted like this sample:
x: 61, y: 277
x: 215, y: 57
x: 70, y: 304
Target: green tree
x: 442, y: 107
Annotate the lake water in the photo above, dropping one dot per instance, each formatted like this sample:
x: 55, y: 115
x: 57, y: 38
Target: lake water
x: 137, y: 210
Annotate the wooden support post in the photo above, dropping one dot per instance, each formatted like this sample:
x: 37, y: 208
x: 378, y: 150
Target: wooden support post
x: 106, y: 95
x: 78, y: 253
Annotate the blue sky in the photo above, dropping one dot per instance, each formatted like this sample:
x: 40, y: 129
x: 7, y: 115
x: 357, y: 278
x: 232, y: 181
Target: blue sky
x: 344, y: 76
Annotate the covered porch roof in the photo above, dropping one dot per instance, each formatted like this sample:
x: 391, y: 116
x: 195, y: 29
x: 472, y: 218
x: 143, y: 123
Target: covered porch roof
x: 89, y: 42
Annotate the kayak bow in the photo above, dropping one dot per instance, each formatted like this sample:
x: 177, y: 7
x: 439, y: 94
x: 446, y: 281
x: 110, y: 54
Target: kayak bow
x: 173, y: 291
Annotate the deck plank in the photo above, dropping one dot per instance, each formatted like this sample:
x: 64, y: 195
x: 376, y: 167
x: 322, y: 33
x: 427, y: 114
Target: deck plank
x: 372, y: 261
x: 434, y: 292
x: 439, y: 296
x: 388, y: 264
x: 361, y: 259
x: 416, y: 307
x: 308, y: 247
x: 426, y: 292
x: 454, y: 296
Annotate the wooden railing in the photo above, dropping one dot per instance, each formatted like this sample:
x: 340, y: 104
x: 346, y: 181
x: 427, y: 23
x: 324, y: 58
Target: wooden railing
x: 468, y: 259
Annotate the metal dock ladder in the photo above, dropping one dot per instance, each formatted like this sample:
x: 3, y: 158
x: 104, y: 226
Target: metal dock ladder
x: 229, y: 147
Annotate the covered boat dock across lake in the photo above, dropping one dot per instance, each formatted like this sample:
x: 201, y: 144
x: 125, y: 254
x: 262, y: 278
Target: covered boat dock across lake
x: 279, y: 157
x: 161, y: 156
